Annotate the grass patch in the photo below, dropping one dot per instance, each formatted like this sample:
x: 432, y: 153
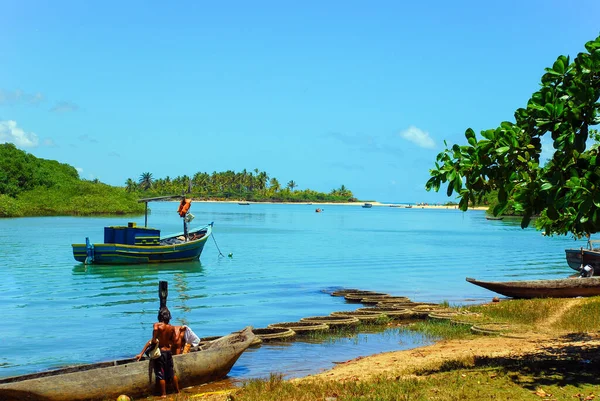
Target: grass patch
x: 455, y: 384
x: 559, y: 372
x: 581, y: 319
x: 517, y: 311
x: 439, y: 329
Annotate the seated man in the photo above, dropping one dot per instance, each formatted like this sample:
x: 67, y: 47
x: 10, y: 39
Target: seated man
x: 164, y: 336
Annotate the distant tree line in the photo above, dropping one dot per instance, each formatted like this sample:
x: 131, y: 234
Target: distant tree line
x: 30, y: 186
x: 246, y: 185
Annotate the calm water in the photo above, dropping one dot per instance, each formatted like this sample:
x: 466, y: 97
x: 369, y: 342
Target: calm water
x: 284, y: 258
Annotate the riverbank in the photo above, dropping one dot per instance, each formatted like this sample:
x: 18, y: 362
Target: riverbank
x: 554, y: 357
x: 356, y: 204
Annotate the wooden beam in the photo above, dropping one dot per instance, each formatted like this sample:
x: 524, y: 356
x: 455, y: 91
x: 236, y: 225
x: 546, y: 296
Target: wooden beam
x: 163, y: 292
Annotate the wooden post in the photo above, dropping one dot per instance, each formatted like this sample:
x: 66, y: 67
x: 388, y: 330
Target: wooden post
x: 163, y: 292
x: 146, y: 216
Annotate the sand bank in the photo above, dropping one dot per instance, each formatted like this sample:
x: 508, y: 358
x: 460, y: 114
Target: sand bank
x: 356, y: 204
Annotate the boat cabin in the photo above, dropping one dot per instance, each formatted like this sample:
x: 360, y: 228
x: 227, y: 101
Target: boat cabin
x: 131, y: 235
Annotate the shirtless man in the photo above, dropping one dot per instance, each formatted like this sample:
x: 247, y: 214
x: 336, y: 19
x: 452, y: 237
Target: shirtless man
x: 167, y: 337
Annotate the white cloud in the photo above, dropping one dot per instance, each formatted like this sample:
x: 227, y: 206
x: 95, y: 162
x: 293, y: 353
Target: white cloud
x: 418, y: 136
x: 9, y: 132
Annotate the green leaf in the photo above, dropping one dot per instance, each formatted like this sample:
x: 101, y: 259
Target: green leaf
x: 552, y: 213
x: 546, y: 186
x: 559, y: 66
x: 463, y: 204
x: 457, y: 183
x: 502, y: 195
x: 499, y: 208
x: 502, y: 150
x: 593, y: 45
x: 596, y: 217
x: 597, y: 199
x: 525, y: 221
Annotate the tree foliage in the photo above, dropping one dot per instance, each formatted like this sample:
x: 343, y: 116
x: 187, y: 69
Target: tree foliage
x: 565, y: 191
x: 21, y: 171
x: 252, y: 185
x: 37, y: 187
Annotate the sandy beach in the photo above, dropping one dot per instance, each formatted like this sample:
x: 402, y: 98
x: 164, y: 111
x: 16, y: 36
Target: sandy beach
x: 356, y: 204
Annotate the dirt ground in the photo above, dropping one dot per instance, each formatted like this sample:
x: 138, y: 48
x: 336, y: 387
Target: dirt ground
x: 541, y: 344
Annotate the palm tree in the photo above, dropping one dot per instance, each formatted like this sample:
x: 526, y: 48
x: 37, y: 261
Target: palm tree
x: 292, y: 184
x: 201, y: 181
x: 274, y: 184
x: 130, y: 185
x: 145, y: 181
x: 345, y: 192
x: 261, y: 179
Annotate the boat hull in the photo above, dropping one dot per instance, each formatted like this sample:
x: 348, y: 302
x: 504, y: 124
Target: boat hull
x: 590, y: 257
x: 123, y: 254
x: 563, y: 288
x: 102, y: 381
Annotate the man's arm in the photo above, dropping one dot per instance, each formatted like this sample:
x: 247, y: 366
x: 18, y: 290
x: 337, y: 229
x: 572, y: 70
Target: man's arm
x: 139, y: 356
x: 151, y: 341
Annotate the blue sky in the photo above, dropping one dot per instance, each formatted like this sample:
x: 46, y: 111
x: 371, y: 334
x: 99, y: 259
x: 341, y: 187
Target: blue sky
x: 324, y: 93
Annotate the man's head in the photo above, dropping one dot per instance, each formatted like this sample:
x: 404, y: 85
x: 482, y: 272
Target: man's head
x: 164, y: 315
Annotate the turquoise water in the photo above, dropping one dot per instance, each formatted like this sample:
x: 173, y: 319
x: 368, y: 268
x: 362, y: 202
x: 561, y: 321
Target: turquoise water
x: 285, y: 258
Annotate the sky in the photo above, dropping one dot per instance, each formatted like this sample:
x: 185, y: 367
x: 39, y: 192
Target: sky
x: 325, y: 93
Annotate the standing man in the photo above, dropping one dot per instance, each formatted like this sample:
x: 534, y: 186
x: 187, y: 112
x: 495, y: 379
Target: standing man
x: 164, y: 336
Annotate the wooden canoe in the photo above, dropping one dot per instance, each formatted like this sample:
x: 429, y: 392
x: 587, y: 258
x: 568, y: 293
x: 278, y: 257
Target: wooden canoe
x: 108, y: 380
x: 562, y: 288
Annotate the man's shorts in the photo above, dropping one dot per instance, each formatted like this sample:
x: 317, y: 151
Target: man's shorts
x: 163, y: 366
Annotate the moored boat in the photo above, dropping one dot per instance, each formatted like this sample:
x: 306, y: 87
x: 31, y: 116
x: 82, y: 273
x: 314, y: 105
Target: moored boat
x: 576, y: 258
x: 561, y: 288
x: 107, y: 380
x: 131, y: 244
x: 367, y: 205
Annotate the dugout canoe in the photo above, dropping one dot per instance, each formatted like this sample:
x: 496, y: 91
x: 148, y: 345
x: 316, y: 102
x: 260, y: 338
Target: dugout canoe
x: 561, y: 288
x: 108, y: 380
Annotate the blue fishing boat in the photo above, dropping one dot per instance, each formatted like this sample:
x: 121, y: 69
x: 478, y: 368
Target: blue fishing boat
x: 133, y: 245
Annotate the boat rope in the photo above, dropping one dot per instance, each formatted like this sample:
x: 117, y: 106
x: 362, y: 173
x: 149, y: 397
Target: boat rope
x: 213, y: 237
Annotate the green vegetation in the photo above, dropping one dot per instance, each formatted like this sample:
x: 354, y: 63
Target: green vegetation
x: 465, y: 380
x: 30, y: 186
x: 518, y: 311
x: 254, y: 186
x: 438, y: 329
x: 565, y: 191
x: 554, y: 372
x: 37, y: 187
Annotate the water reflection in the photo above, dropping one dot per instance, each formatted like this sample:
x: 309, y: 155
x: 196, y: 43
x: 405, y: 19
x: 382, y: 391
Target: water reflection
x: 135, y: 272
